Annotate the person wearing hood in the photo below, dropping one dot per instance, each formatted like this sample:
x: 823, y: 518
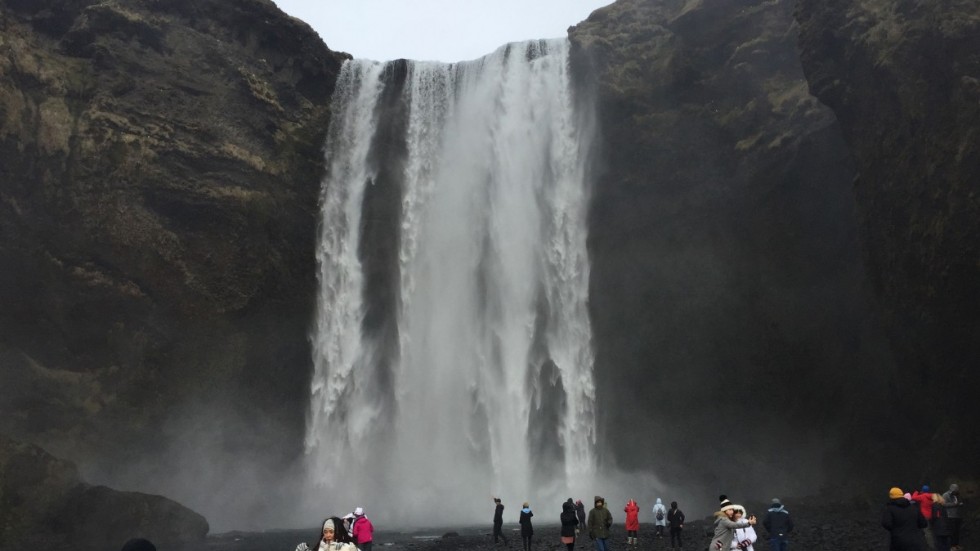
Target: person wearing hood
x: 600, y: 520
x: 743, y: 538
x: 725, y: 525
x: 332, y: 537
x: 904, y: 523
x: 675, y: 518
x: 659, y: 517
x: 778, y: 524
x: 632, y: 511
x: 953, y: 507
x: 569, y: 524
x: 526, y: 529
x: 498, y: 521
x: 362, y: 530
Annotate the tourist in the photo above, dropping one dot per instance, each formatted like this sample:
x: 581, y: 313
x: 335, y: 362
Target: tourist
x: 332, y: 537
x: 527, y: 530
x: 659, y: 518
x: 349, y: 524
x: 725, y: 525
x: 580, y: 513
x: 778, y: 524
x: 569, y: 524
x: 940, y: 523
x: 953, y: 507
x: 923, y: 498
x: 632, y: 511
x: 600, y: 520
x: 745, y: 537
x: 675, y: 520
x: 904, y: 522
x: 498, y: 521
x: 362, y: 530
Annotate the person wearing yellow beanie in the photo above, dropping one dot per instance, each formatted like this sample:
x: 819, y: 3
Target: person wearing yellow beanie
x: 904, y: 522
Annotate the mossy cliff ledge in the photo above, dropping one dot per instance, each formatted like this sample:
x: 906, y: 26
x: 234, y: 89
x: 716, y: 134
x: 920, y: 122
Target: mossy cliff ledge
x: 160, y: 173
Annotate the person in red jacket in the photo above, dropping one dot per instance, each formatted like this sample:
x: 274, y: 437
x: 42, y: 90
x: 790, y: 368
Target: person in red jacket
x: 632, y: 521
x: 362, y: 530
x: 923, y: 499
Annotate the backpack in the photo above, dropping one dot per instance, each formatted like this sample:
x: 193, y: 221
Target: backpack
x: 660, y: 514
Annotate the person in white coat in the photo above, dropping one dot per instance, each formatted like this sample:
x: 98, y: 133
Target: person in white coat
x: 745, y: 536
x: 659, y: 518
x: 331, y: 537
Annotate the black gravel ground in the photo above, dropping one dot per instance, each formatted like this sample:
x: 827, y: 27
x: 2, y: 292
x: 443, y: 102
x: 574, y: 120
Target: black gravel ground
x: 819, y: 526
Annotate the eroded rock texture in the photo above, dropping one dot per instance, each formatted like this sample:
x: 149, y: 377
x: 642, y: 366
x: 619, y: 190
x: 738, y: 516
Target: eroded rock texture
x: 160, y: 173
x: 44, y: 503
x: 727, y: 285
x: 903, y: 78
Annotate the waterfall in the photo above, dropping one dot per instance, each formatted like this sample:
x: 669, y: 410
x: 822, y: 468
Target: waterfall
x: 452, y: 344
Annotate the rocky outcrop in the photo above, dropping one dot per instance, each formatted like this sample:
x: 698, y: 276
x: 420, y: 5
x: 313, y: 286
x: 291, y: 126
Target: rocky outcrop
x: 44, y: 503
x: 158, y: 204
x: 903, y: 78
x: 33, y: 487
x: 102, y: 518
x: 727, y: 281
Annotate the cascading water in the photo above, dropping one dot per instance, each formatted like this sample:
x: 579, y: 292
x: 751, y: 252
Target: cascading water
x: 452, y: 344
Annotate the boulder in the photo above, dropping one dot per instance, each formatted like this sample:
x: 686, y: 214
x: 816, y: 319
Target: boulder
x: 44, y: 503
x: 102, y: 518
x: 33, y: 487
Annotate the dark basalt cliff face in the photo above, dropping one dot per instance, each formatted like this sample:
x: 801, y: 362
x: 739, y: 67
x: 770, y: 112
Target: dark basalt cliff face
x: 903, y: 78
x: 160, y: 164
x: 159, y: 182
x: 733, y: 324
x: 44, y: 504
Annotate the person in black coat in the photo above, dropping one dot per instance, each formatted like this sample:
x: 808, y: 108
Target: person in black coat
x: 940, y: 524
x: 675, y: 519
x: 526, y: 529
x: 569, y: 522
x: 779, y: 524
x: 580, y: 512
x: 904, y: 522
x: 498, y: 521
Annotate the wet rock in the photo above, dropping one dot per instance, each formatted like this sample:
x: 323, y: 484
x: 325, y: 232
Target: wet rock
x: 723, y: 237
x: 100, y: 518
x: 33, y: 487
x: 43, y: 503
x: 900, y: 77
x: 158, y: 205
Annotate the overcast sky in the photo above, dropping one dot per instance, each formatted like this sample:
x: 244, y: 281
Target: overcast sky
x: 435, y: 30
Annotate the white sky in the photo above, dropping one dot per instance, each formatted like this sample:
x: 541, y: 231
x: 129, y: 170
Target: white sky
x: 435, y: 30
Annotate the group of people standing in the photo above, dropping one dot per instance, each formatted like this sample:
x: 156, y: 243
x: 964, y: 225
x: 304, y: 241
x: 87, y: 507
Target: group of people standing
x: 353, y: 532
x: 923, y: 519
x: 597, y: 524
x: 663, y: 518
x: 736, y: 532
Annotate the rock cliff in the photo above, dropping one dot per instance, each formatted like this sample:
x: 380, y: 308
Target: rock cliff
x: 761, y: 260
x: 903, y: 78
x: 158, y: 204
x: 728, y: 287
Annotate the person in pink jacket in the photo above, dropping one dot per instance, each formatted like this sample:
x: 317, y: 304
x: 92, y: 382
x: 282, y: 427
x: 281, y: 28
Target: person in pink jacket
x: 362, y: 530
